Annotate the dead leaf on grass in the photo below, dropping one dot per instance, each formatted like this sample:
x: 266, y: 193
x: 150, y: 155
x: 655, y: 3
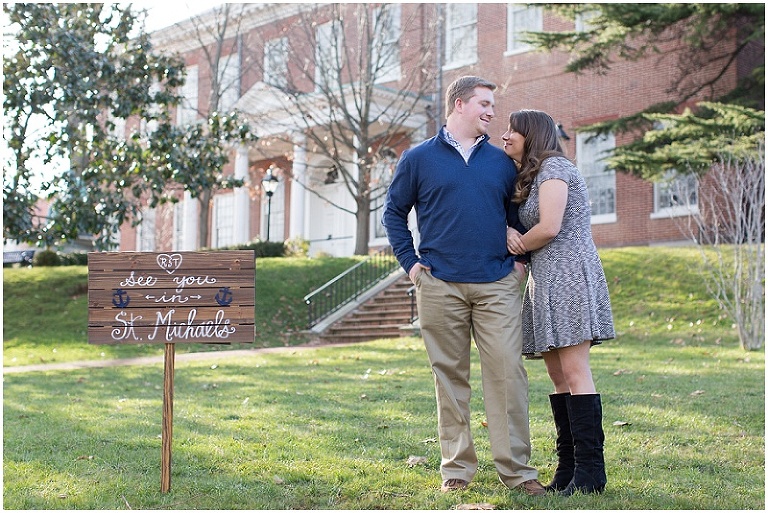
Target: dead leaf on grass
x: 697, y: 392
x: 476, y: 506
x: 416, y: 460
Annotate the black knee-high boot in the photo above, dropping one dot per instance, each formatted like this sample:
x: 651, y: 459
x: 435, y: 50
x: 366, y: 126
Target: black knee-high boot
x: 586, y: 415
x: 564, y: 443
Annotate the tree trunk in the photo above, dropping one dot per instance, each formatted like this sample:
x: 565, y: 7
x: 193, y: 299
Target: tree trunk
x: 205, y: 214
x: 363, y: 229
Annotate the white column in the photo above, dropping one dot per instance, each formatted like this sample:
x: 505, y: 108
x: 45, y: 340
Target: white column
x: 299, y: 196
x: 241, y: 223
x: 191, y: 221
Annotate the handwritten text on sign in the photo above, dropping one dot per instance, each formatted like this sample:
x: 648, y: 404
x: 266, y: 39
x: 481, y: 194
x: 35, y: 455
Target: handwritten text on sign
x: 145, y: 298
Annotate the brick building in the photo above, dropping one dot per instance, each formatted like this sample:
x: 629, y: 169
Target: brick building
x: 477, y: 39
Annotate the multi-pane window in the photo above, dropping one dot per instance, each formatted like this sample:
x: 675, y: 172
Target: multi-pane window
x: 276, y: 62
x: 460, y: 34
x: 522, y: 19
x: 186, y: 112
x: 591, y: 151
x: 145, y: 232
x: 224, y: 220
x: 118, y: 131
x: 229, y: 82
x: 381, y: 178
x: 583, y: 21
x: 386, y: 48
x: 328, y: 49
x: 675, y: 194
x: 178, y: 226
x: 149, y: 126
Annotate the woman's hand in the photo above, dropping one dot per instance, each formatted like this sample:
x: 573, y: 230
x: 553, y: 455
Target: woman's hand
x: 514, y: 244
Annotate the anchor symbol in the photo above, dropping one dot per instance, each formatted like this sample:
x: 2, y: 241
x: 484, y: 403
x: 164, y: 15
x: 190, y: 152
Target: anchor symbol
x: 120, y: 298
x: 224, y: 296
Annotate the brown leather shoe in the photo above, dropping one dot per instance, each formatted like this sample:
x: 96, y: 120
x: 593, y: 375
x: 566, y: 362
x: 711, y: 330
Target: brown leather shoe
x: 450, y: 485
x: 532, y: 487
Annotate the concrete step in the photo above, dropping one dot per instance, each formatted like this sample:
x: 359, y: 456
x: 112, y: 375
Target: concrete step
x: 383, y: 316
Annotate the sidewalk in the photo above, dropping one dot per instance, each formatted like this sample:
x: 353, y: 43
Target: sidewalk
x: 148, y: 360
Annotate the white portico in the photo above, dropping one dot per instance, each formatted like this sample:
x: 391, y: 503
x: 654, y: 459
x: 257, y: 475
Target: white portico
x: 313, y: 201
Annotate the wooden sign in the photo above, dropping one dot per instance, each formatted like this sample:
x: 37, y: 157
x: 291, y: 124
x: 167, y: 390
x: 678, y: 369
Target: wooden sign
x: 161, y: 298
x: 145, y: 298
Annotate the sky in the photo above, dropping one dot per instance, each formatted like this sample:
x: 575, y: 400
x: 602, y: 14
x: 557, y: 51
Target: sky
x: 161, y: 14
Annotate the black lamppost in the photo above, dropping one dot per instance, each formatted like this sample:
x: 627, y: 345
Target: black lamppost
x: 269, y: 183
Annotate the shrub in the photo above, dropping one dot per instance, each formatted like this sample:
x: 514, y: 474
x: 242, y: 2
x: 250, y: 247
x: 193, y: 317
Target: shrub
x: 47, y: 258
x: 79, y: 258
x: 297, y: 247
x: 263, y: 249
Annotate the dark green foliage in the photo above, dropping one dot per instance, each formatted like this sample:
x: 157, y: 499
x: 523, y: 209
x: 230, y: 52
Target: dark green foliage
x: 73, y: 69
x: 47, y: 258
x: 264, y: 249
x: 84, y: 65
x: 693, y: 141
x: 726, y: 125
x: 79, y: 258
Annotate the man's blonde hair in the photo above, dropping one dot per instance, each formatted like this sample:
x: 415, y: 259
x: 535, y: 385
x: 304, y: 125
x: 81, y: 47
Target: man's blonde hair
x: 464, y: 88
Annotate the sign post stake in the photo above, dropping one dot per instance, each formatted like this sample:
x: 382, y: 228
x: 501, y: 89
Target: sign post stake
x: 170, y: 298
x: 167, y: 435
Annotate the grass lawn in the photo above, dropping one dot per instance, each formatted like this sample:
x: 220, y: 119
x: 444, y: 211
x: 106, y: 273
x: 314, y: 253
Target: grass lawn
x: 334, y: 427
x: 45, y: 311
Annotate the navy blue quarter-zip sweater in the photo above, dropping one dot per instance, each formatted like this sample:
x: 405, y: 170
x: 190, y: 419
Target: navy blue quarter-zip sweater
x: 462, y: 210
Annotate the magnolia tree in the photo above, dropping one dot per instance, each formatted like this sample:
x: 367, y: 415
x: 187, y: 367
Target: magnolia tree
x: 71, y: 73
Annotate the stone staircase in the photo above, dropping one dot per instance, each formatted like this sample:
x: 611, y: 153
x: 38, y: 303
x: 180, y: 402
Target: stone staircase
x: 385, y: 315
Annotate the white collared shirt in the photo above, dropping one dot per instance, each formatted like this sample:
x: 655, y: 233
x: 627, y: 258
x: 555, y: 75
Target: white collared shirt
x: 456, y: 144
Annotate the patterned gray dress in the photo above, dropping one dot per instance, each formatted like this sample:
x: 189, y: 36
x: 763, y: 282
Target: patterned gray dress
x: 566, y: 298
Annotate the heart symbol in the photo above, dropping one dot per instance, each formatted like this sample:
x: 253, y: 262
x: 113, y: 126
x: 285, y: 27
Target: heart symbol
x: 169, y: 262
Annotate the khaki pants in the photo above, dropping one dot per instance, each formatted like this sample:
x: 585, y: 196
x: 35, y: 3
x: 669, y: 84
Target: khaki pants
x: 449, y: 314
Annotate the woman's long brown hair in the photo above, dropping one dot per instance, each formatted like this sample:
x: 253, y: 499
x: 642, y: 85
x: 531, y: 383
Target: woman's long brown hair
x: 541, y: 142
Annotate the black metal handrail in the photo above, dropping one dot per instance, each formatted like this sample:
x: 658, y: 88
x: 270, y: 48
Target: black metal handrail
x: 412, y: 294
x: 349, y: 285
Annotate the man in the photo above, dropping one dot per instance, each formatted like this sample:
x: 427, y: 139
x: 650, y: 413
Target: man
x: 467, y: 283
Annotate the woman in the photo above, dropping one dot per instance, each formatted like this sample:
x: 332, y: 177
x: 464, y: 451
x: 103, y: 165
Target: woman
x: 566, y: 308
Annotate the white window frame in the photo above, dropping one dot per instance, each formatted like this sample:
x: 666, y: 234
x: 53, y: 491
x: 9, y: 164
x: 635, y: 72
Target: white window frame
x: 186, y: 111
x: 178, y: 226
x: 675, y: 184
x: 223, y: 220
x: 522, y: 18
x: 460, y: 35
x: 326, y: 50
x: 276, y: 62
x: 147, y: 128
x: 382, y: 172
x: 601, y: 181
x: 118, y: 132
x: 146, y: 230
x: 229, y: 82
x: 386, y: 43
x: 582, y: 22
